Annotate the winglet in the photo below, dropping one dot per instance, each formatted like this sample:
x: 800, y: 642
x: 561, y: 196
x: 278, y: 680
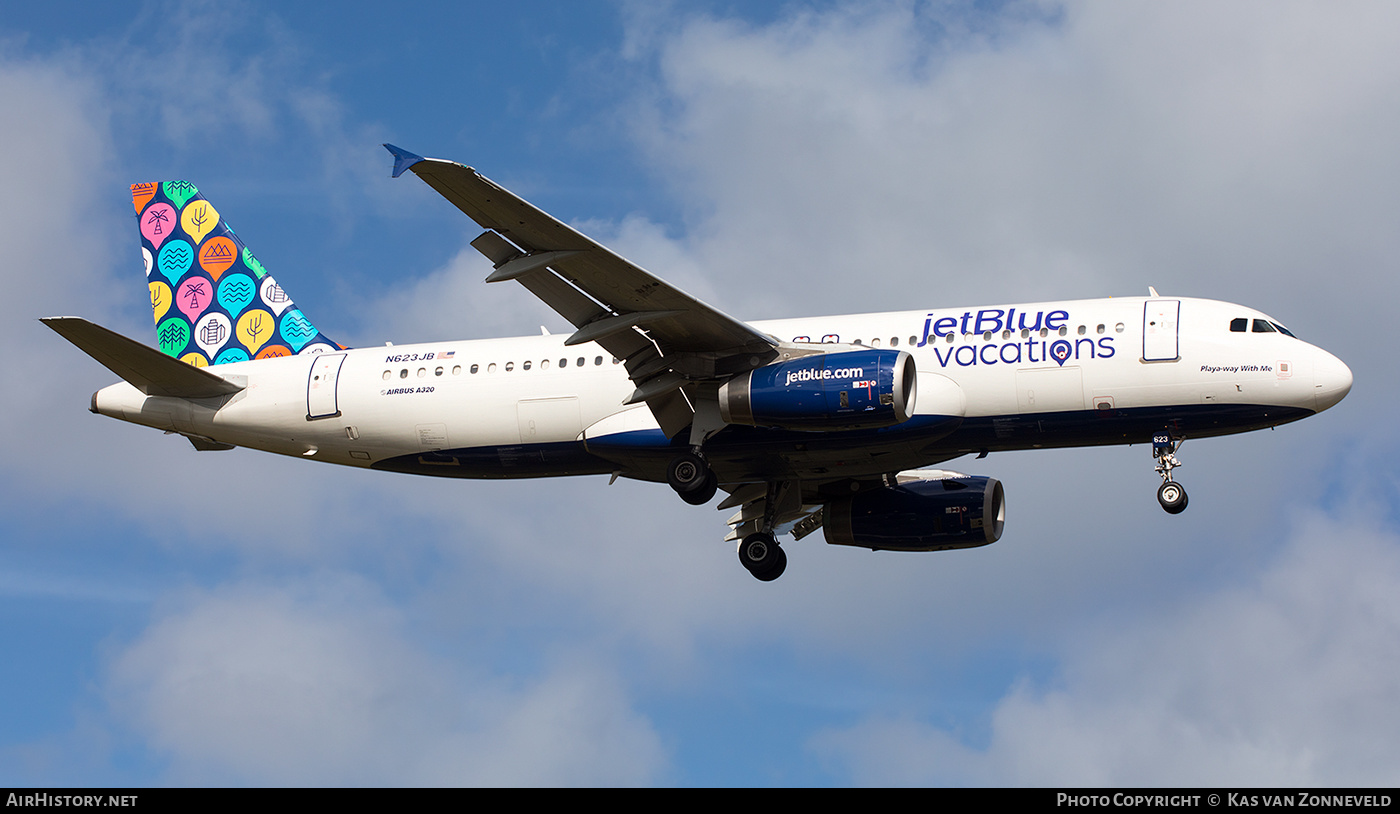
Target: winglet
x: 403, y: 159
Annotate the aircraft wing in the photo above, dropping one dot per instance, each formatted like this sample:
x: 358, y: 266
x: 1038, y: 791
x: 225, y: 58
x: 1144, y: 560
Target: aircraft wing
x: 668, y: 339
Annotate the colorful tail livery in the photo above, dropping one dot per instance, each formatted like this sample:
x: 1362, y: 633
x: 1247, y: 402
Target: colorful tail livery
x: 213, y: 301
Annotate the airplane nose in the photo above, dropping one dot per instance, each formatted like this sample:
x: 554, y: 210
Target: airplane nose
x: 1331, y: 380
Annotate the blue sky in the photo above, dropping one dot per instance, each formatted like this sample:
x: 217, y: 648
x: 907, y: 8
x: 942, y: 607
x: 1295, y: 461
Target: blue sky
x: 174, y: 617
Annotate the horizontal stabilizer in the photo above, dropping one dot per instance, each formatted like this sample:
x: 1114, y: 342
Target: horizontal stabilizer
x: 146, y: 368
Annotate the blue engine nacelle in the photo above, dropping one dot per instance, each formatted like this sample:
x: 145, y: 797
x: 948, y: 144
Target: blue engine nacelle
x: 829, y: 391
x: 921, y: 515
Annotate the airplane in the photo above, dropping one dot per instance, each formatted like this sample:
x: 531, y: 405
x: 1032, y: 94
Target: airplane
x: 835, y: 422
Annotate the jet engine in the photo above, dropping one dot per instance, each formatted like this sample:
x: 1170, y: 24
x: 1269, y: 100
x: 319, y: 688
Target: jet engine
x: 831, y: 391
x: 920, y: 515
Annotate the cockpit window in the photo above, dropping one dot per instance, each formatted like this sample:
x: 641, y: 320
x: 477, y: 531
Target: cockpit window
x: 1241, y: 325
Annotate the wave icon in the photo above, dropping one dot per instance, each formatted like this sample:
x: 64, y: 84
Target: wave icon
x: 296, y: 329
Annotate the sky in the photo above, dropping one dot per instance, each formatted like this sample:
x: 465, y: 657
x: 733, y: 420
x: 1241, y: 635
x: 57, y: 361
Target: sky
x: 173, y: 617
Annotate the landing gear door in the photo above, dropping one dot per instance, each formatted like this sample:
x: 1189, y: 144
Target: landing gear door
x: 1159, y: 330
x: 321, y: 386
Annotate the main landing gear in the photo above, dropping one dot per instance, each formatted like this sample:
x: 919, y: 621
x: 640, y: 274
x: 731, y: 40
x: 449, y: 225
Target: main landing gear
x: 1170, y: 494
x: 759, y: 551
x: 692, y: 478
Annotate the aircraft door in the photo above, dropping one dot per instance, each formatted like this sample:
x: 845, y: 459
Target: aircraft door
x: 549, y: 419
x: 321, y: 386
x: 1160, y: 319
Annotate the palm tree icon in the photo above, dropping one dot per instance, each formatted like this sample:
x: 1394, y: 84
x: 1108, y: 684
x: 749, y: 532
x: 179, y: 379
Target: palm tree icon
x: 158, y: 217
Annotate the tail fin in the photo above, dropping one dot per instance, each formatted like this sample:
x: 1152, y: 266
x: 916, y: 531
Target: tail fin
x: 213, y: 301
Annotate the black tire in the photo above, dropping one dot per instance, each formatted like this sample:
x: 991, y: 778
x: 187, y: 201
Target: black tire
x: 775, y: 570
x: 1172, y: 496
x: 762, y: 556
x: 688, y: 472
x: 704, y: 494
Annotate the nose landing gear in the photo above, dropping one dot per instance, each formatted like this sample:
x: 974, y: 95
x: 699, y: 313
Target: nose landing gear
x: 1170, y: 494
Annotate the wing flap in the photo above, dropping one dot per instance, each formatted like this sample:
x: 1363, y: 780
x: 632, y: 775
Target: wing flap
x: 146, y: 368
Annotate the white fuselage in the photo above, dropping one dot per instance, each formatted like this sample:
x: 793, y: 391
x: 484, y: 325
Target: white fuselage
x: 1133, y: 362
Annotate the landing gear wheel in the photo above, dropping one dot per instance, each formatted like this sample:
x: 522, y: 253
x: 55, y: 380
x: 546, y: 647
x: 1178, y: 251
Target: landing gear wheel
x: 776, y: 571
x: 688, y: 472
x: 761, y: 554
x: 704, y: 494
x: 1172, y: 496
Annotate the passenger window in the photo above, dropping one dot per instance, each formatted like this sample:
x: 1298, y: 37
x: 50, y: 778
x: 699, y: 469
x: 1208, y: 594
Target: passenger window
x: 563, y: 362
x: 403, y: 374
x: 457, y: 370
x: 437, y: 372
x: 510, y: 366
x: 525, y: 366
x: 1239, y: 325
x: 491, y: 368
x: 1118, y: 327
x: 422, y: 371
x: 544, y: 364
x: 388, y: 374
x: 1101, y: 328
x: 894, y: 341
x: 598, y: 360
x: 874, y: 343
x: 986, y: 336
x: 475, y: 368
x: 580, y: 361
x: 1083, y: 330
x: 1262, y: 326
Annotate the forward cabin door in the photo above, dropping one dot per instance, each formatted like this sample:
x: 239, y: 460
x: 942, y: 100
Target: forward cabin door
x: 1159, y: 330
x: 321, y: 386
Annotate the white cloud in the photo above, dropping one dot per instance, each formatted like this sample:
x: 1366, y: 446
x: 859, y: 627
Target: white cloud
x: 1287, y: 678
x: 55, y: 247
x: 322, y: 682
x: 454, y: 302
x: 190, y: 66
x: 1084, y: 149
